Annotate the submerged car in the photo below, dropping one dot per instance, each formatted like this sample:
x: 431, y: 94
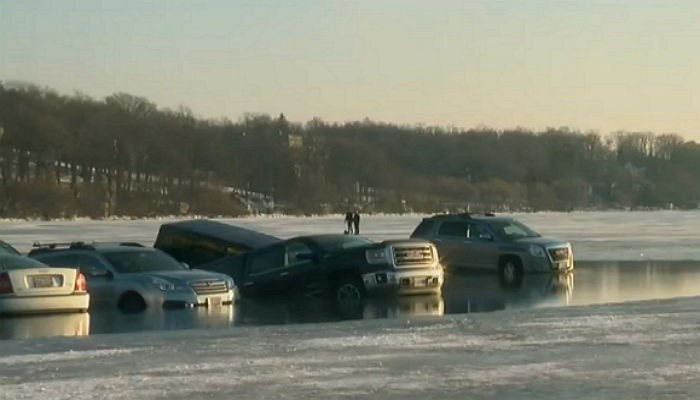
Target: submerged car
x: 490, y: 242
x: 199, y: 241
x: 135, y: 277
x: 30, y: 286
x: 348, y: 267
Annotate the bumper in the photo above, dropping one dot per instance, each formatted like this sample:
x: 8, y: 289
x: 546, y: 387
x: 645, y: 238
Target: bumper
x: 44, y: 304
x: 545, y: 265
x: 183, y: 300
x: 421, y: 281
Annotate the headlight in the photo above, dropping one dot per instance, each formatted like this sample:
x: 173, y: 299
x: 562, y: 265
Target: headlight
x: 163, y: 285
x: 536, y: 251
x: 377, y: 256
x: 230, y: 284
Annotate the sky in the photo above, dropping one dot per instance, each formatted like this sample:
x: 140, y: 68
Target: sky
x: 589, y: 65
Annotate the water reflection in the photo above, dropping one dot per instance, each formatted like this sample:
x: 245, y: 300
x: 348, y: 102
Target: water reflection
x: 39, y: 326
x: 482, y: 293
x: 112, y: 321
x: 595, y: 283
x: 620, y: 281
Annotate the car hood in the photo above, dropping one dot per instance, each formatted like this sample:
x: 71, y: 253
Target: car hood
x: 542, y: 241
x: 189, y: 275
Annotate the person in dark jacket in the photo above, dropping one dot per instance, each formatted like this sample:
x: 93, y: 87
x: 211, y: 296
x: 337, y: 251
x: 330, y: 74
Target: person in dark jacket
x: 356, y: 222
x: 349, y: 221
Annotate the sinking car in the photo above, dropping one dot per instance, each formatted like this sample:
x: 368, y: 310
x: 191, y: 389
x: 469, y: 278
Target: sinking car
x: 346, y: 267
x: 489, y: 242
x: 30, y: 286
x: 136, y: 278
x: 199, y: 241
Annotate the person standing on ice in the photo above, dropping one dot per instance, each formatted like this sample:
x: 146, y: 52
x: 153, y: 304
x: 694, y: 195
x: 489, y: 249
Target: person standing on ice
x: 356, y: 222
x: 348, y: 222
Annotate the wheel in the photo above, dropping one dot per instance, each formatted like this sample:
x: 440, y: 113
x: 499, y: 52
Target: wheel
x: 348, y: 296
x: 131, y: 302
x: 510, y: 272
x: 349, y: 289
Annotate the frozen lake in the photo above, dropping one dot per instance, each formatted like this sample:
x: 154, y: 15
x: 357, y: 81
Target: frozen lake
x: 605, y: 236
x: 624, y: 325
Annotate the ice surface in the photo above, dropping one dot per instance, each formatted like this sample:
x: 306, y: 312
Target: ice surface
x: 635, y: 350
x: 604, y: 235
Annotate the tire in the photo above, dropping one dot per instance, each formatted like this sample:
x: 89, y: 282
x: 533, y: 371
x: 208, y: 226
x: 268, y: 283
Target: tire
x: 348, y: 297
x: 131, y: 302
x: 349, y: 289
x: 510, y: 272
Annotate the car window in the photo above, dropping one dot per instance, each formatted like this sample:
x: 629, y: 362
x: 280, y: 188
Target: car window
x: 423, y: 229
x: 60, y: 260
x: 512, y: 230
x: 10, y: 262
x: 292, y: 252
x: 6, y: 248
x: 478, y: 232
x: 266, y: 261
x: 91, y: 265
x: 454, y: 229
x: 129, y: 262
x: 332, y: 243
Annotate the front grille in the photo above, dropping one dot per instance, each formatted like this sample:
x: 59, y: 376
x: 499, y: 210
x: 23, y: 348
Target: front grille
x: 410, y: 256
x: 559, y: 254
x: 209, y: 287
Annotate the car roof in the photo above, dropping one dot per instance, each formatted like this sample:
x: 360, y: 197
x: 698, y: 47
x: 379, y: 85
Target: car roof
x: 468, y: 216
x: 46, y: 248
x: 219, y: 230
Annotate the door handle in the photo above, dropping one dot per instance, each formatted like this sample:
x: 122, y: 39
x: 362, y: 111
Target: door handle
x: 248, y: 284
x: 437, y: 240
x: 284, y: 274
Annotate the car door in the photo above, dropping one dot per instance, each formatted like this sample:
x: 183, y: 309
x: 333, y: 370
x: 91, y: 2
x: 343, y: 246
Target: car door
x: 302, y: 262
x: 451, y: 241
x: 481, y: 246
x: 265, y: 273
x: 100, y: 279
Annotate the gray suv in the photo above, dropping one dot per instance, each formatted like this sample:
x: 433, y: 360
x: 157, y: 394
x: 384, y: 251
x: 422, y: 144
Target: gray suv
x: 501, y: 244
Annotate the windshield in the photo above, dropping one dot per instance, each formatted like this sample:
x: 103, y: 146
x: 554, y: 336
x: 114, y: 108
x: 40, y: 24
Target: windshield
x: 8, y: 262
x: 130, y: 262
x: 7, y: 249
x: 330, y: 244
x: 512, y: 230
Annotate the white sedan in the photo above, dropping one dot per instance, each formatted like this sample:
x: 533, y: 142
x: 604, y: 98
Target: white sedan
x: 30, y: 286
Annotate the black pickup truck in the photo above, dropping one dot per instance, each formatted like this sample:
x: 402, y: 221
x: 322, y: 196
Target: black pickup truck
x: 346, y: 267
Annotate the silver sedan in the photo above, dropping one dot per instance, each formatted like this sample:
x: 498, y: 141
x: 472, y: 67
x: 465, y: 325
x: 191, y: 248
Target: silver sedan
x: 136, y: 278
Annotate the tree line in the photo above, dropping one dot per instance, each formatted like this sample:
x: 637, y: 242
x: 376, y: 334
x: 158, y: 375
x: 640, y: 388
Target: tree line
x: 66, y: 156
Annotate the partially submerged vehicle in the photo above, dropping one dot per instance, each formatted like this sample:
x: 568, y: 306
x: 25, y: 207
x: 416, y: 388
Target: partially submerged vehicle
x: 30, y: 286
x: 200, y: 241
x: 135, y: 277
x: 348, y: 267
x: 493, y: 243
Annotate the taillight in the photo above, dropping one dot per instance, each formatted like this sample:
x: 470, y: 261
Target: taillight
x: 5, y: 284
x: 80, y: 284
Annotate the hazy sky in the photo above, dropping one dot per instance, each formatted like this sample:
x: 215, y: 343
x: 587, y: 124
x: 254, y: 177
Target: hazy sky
x: 598, y: 65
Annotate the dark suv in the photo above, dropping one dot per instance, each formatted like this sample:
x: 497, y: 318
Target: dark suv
x: 347, y: 267
x: 489, y: 242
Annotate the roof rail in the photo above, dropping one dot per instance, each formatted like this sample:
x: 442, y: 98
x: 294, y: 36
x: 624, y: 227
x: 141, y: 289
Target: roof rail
x: 70, y: 245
